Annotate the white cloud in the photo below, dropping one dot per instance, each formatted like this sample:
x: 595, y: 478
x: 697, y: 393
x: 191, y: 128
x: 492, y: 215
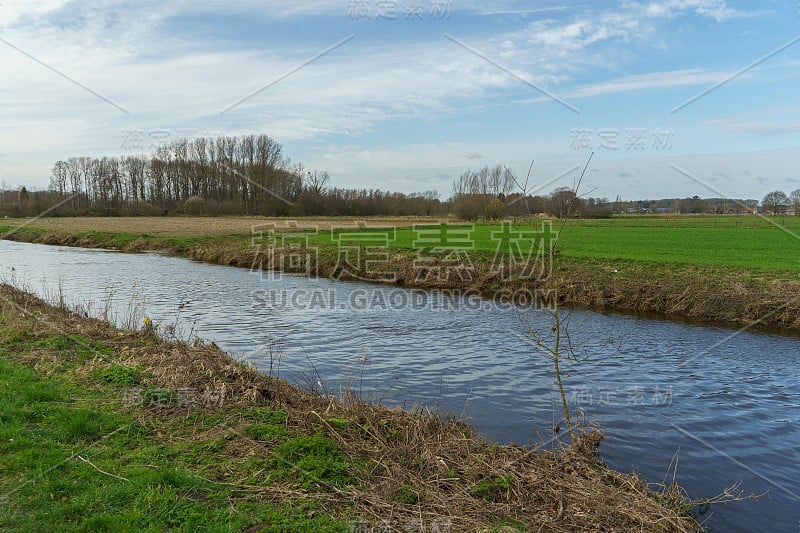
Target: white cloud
x: 561, y: 39
x: 641, y: 82
x: 719, y: 10
x: 14, y: 11
x: 650, y: 80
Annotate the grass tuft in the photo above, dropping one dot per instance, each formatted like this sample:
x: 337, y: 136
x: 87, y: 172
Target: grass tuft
x: 118, y: 375
x: 312, y: 460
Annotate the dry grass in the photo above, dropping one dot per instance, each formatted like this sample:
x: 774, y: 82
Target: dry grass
x: 198, y: 226
x: 409, y: 467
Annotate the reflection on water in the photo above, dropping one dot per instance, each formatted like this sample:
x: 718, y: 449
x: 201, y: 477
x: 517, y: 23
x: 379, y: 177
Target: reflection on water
x: 729, y: 404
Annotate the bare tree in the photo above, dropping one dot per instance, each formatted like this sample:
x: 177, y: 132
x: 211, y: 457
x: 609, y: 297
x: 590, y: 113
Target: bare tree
x: 775, y: 201
x: 564, y: 202
x: 58, y: 179
x: 474, y: 190
x: 316, y: 181
x: 794, y: 198
x: 556, y: 343
x: 555, y: 346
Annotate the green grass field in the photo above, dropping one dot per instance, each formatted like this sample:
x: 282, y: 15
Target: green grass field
x: 752, y: 242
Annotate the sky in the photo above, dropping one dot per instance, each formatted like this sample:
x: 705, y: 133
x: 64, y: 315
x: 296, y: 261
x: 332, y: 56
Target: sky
x: 675, y: 98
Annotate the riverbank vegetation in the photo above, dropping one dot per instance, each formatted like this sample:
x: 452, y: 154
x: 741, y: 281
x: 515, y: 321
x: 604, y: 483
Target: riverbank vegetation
x: 110, y: 430
x: 731, y: 270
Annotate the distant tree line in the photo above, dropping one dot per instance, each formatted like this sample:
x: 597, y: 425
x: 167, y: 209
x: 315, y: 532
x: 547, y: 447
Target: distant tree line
x: 248, y: 175
x: 492, y: 193
x: 251, y: 175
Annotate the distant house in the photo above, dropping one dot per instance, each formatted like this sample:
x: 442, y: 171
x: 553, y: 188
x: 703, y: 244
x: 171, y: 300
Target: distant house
x: 779, y: 210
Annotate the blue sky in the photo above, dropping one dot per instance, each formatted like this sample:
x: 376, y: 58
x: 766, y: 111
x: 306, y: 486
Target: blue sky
x: 407, y: 94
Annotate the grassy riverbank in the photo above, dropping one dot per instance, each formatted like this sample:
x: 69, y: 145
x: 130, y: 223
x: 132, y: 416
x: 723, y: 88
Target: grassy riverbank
x: 109, y: 430
x: 737, y: 271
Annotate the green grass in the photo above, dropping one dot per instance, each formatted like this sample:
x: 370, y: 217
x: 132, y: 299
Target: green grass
x: 118, y: 375
x: 408, y: 494
x: 265, y: 432
x: 753, y: 242
x: 57, y: 435
x: 79, y: 345
x: 737, y: 241
x: 267, y: 415
x: 492, y: 489
x: 312, y: 461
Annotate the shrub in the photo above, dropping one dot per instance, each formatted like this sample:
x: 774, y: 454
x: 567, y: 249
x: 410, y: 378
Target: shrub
x: 194, y: 205
x: 495, y: 210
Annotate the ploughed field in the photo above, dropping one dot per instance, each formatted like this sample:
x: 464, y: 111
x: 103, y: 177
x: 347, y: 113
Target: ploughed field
x: 188, y: 226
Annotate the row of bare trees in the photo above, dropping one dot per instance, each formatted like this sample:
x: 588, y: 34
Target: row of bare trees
x: 243, y: 175
x: 482, y: 193
x: 247, y: 175
x: 495, y: 192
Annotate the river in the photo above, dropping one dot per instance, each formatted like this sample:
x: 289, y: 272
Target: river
x: 725, y: 402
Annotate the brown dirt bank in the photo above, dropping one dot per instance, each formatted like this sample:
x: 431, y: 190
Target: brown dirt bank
x: 408, y: 467
x: 727, y: 296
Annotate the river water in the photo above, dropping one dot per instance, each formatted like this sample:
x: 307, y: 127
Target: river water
x: 726, y: 403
